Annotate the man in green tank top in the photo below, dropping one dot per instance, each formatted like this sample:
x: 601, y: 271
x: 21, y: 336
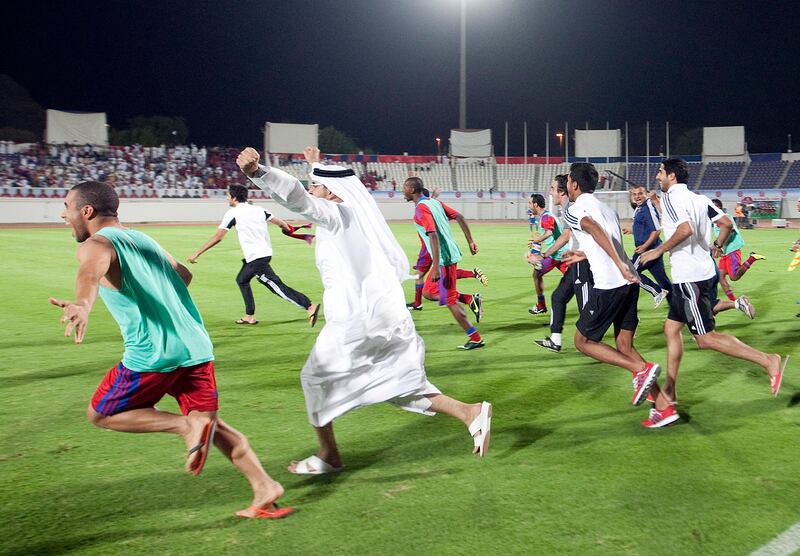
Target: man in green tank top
x: 167, y: 348
x: 431, y: 218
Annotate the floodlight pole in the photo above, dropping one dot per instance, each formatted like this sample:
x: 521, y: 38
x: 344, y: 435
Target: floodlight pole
x: 667, y: 139
x: 462, y: 104
x: 547, y: 143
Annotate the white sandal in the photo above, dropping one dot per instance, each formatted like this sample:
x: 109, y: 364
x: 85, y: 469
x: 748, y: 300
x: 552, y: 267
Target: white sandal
x: 481, y: 429
x: 313, y: 465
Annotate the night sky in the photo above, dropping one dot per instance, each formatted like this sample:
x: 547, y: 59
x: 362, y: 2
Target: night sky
x: 386, y: 72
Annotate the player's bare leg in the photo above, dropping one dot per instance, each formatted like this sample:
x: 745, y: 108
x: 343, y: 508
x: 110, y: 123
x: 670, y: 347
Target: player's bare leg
x: 466, y: 413
x: 731, y: 345
x: 150, y: 419
x: 672, y: 332
x: 606, y: 354
x: 328, y: 450
x: 236, y: 448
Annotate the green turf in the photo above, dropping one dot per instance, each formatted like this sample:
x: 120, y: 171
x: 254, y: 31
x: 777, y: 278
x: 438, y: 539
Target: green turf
x: 570, y: 471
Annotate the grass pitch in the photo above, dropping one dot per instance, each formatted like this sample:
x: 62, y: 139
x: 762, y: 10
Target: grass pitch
x: 570, y: 470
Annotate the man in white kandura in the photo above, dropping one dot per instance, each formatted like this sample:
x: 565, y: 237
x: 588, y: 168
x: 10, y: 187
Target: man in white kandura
x: 368, y: 351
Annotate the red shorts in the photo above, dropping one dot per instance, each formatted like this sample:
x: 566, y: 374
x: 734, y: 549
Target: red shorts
x: 423, y: 261
x: 731, y: 262
x: 123, y: 389
x: 445, y: 288
x: 549, y: 263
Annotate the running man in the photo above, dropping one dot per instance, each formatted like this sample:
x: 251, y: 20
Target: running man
x: 687, y: 231
x: 614, y: 295
x: 545, y: 234
x: 251, y: 226
x: 646, y: 232
x: 730, y: 259
x: 424, y: 260
x: 431, y: 220
x: 167, y: 348
x: 577, y: 279
x: 368, y: 352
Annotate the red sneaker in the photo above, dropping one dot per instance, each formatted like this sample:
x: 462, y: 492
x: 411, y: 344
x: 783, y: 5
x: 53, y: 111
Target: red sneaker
x: 658, y: 419
x: 643, y: 381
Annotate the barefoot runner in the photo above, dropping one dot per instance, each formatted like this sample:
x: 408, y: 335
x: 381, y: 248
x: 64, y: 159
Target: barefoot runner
x: 167, y: 348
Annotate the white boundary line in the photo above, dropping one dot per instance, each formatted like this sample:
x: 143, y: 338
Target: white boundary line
x: 784, y: 544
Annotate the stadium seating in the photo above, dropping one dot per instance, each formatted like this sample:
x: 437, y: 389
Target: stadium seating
x: 764, y: 175
x: 38, y: 170
x: 722, y: 175
x: 792, y: 179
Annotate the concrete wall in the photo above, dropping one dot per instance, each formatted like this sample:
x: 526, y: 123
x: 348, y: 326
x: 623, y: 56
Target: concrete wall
x: 48, y: 211
x: 512, y: 207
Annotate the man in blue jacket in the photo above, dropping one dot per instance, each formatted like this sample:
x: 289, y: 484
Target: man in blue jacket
x: 646, y: 231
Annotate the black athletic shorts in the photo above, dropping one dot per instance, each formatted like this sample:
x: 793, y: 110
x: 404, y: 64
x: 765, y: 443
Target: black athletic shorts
x: 690, y: 302
x: 607, y: 307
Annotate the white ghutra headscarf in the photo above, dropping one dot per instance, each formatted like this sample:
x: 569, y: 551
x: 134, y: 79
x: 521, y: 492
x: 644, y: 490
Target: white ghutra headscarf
x: 343, y: 183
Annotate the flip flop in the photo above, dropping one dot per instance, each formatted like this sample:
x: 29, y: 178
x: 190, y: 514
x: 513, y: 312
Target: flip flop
x: 775, y: 381
x: 203, y: 447
x: 312, y: 320
x: 270, y: 510
x: 482, y: 427
x: 242, y: 321
x: 320, y: 467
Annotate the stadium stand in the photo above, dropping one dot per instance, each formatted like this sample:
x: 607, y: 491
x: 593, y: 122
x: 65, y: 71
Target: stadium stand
x: 792, y: 179
x: 764, y: 175
x: 38, y: 170
x: 722, y: 175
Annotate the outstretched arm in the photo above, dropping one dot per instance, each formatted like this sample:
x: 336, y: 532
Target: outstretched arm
x: 287, y: 191
x: 216, y: 238
x: 95, y: 257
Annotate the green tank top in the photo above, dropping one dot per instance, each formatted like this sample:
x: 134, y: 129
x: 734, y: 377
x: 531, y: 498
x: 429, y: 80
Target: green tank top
x: 161, y: 327
x: 548, y: 242
x: 449, y: 253
x: 735, y: 240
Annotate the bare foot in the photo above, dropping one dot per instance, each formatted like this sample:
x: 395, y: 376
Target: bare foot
x: 263, y: 499
x: 774, y: 365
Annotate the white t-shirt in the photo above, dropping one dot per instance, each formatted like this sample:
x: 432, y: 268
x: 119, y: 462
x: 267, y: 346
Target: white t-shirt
x: 690, y: 260
x: 606, y: 274
x: 251, y: 227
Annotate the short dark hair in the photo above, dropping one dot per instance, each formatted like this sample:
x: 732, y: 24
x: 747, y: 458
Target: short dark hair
x: 238, y: 192
x: 100, y: 196
x: 562, y: 183
x: 416, y: 184
x: 538, y: 200
x: 678, y: 167
x: 585, y: 174
x: 717, y: 203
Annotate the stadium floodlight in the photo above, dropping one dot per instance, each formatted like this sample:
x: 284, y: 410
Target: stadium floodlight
x: 462, y: 101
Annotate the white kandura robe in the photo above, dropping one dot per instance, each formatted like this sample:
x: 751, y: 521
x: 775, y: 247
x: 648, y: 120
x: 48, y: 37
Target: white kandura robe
x: 369, y: 350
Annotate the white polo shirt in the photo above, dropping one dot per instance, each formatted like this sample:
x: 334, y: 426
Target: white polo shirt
x: 251, y: 227
x: 606, y: 274
x: 690, y: 261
